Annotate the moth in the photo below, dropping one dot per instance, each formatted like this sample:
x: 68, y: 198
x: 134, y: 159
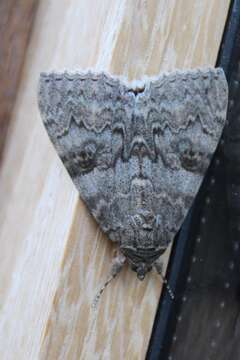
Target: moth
x: 137, y: 152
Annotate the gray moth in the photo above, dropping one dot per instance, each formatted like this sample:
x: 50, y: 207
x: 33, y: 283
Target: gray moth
x: 136, y: 153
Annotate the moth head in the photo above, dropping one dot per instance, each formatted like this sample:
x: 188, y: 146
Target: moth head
x: 142, y: 269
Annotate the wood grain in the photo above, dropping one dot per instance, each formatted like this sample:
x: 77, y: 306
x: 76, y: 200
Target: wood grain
x: 53, y: 256
x: 16, y: 18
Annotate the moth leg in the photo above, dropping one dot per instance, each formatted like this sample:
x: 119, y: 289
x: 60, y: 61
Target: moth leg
x: 159, y: 268
x: 117, y: 263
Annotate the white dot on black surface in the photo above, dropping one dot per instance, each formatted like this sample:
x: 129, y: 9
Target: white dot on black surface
x: 213, y: 343
x: 218, y: 324
x: 236, y: 246
x: 208, y: 200
x: 222, y: 304
x: 198, y: 239
x: 179, y: 318
x: 212, y: 181
x: 227, y: 285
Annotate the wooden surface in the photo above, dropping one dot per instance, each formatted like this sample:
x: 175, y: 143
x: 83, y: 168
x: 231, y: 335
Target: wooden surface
x: 16, y: 18
x: 53, y: 256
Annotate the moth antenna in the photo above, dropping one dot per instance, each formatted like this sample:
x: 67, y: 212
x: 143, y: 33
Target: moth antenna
x: 101, y: 290
x: 117, y: 266
x: 158, y: 267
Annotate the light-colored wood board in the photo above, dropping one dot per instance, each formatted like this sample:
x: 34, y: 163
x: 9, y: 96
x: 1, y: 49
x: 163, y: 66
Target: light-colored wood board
x: 53, y: 256
x: 15, y: 26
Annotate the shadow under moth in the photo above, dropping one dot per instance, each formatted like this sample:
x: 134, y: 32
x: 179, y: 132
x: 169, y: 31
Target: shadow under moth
x: 136, y: 153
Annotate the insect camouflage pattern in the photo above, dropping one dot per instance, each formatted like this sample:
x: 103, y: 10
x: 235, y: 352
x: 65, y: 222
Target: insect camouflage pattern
x: 136, y: 155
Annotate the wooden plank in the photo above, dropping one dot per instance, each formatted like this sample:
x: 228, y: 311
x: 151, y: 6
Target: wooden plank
x: 15, y: 25
x: 53, y: 256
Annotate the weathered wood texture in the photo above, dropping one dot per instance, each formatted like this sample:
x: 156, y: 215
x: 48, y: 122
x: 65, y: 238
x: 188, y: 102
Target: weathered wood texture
x: 53, y: 256
x: 16, y: 18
